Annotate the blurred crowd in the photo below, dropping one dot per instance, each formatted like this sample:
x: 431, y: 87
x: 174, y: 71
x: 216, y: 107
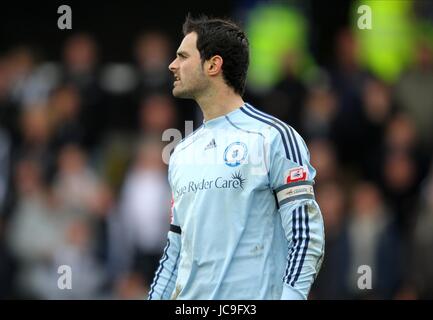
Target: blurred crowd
x: 83, y: 184
x: 82, y: 181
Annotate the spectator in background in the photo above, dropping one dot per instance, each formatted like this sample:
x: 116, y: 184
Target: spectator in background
x: 76, y: 251
x: 331, y: 194
x: 421, y: 275
x: 157, y: 113
x: 80, y: 69
x: 143, y: 213
x: 320, y: 108
x: 9, y: 109
x: 152, y: 53
x: 76, y: 184
x: 330, y: 284
x: 8, y: 265
x: 8, y: 129
x: 4, y: 88
x: 80, y: 62
x: 359, y: 133
x: 401, y: 169
x: 35, y: 136
x: 372, y: 239
x: 377, y: 110
x: 347, y: 80
x: 347, y: 76
x: 5, y: 83
x: 324, y: 159
x: 35, y: 231
x: 25, y: 87
x: 58, y: 225
x: 65, y: 108
x: 130, y: 287
x: 5, y: 165
x: 286, y: 99
x: 84, y: 195
x: 414, y: 93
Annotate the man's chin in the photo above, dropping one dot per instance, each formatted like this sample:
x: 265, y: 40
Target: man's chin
x: 180, y: 94
x: 176, y: 93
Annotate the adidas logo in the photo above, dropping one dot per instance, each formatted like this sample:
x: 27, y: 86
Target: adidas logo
x: 211, y: 145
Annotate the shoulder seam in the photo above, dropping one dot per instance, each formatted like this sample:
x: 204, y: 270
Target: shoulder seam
x: 286, y: 132
x: 241, y: 129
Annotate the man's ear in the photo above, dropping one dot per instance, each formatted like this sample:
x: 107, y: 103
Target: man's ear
x: 214, y: 65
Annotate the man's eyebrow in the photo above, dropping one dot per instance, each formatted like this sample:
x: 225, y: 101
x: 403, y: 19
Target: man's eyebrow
x: 181, y: 53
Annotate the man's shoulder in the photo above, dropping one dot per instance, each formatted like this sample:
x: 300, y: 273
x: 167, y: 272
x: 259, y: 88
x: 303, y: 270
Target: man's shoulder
x: 281, y: 136
x: 274, y: 127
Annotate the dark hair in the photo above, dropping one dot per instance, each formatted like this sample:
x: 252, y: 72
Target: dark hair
x: 222, y: 37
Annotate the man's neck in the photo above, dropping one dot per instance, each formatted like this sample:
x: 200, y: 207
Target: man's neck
x: 219, y: 103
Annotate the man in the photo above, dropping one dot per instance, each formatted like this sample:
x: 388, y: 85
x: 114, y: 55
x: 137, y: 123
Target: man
x: 244, y: 224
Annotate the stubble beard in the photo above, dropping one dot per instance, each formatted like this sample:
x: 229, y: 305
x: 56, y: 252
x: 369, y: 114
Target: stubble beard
x: 197, y: 86
x: 182, y: 94
x: 194, y: 93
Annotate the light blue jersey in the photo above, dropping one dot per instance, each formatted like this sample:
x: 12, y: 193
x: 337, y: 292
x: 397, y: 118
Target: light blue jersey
x: 245, y: 224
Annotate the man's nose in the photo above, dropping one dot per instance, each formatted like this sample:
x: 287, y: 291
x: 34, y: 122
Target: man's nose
x: 173, y: 66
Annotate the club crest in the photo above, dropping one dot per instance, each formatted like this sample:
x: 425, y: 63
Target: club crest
x: 235, y: 154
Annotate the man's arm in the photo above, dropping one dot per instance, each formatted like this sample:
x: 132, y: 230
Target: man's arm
x: 292, y: 179
x: 302, y: 223
x: 166, y: 274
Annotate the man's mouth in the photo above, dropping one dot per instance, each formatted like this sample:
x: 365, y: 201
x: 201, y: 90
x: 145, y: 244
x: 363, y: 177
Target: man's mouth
x: 176, y: 80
